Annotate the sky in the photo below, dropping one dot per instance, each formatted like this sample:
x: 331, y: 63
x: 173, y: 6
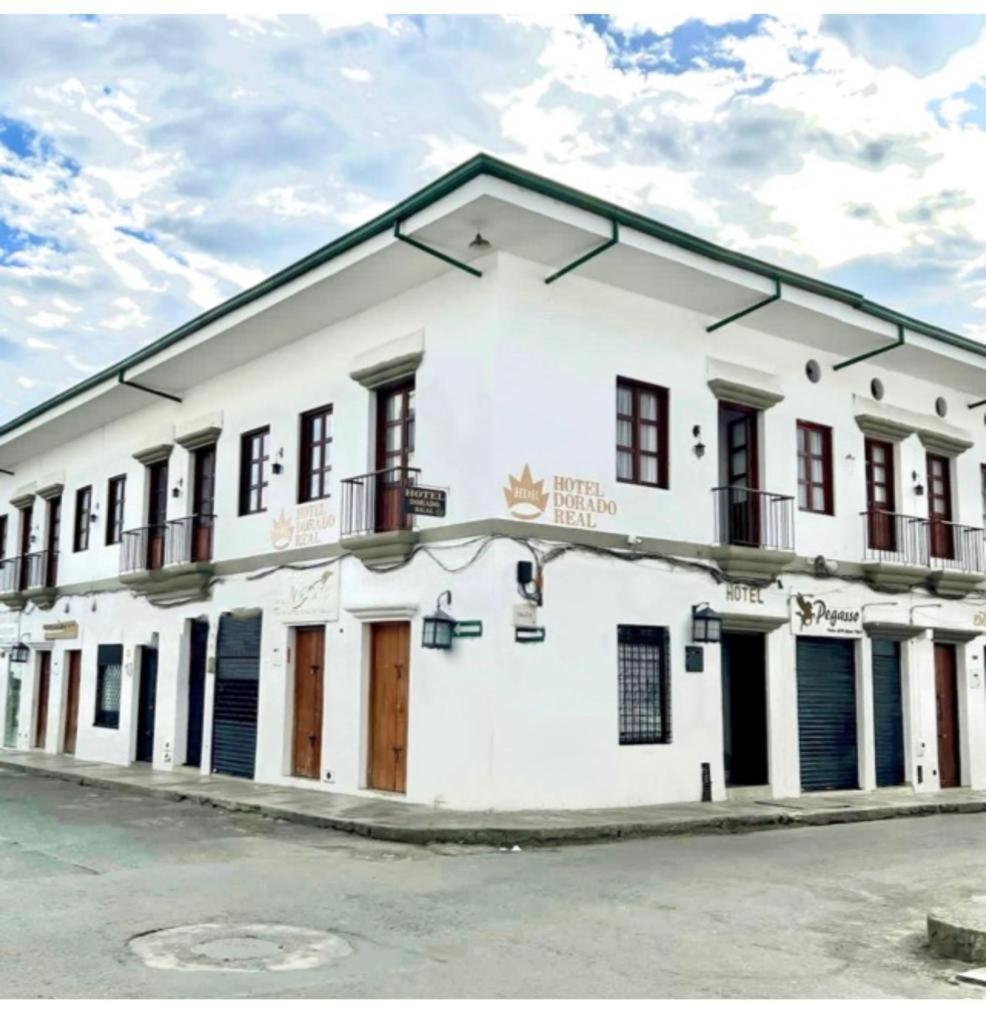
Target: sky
x: 152, y: 166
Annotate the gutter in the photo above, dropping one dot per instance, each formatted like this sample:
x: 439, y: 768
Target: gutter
x: 480, y: 164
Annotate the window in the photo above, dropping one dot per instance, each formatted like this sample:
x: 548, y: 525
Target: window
x: 3, y: 538
x: 109, y: 678
x: 641, y: 433
x: 83, y: 518
x: 315, y: 454
x: 644, y: 685
x: 254, y: 466
x: 815, y: 468
x: 116, y: 496
x: 982, y: 486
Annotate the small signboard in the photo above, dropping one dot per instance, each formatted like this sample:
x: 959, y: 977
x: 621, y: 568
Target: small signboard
x: 424, y: 501
x: 816, y: 616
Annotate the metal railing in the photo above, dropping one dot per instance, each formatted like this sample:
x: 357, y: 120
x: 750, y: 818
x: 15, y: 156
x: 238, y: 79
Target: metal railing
x: 756, y: 519
x: 374, y: 502
x: 35, y: 571
x: 176, y: 542
x: 10, y: 575
x: 935, y: 544
x: 894, y: 538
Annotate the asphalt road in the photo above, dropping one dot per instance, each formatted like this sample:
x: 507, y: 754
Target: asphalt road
x: 804, y: 913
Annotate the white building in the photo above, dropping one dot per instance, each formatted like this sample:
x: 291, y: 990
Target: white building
x: 209, y: 560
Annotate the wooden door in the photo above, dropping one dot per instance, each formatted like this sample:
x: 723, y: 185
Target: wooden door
x: 196, y: 692
x: 203, y: 502
x: 27, y: 520
x: 390, y: 657
x: 72, y: 700
x: 947, y: 703
x: 395, y: 446
x: 880, y: 491
x: 44, y: 687
x: 157, y: 513
x: 940, y: 506
x: 146, y: 704
x: 53, y: 540
x: 742, y: 475
x: 309, y: 670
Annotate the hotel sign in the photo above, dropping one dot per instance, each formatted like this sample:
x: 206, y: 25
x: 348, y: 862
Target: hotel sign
x: 574, y: 501
x: 824, y: 616
x: 424, y: 501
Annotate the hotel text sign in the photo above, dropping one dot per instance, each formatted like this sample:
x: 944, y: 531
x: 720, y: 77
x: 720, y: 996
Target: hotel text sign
x: 573, y: 501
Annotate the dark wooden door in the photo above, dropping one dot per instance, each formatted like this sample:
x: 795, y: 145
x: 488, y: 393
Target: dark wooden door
x: 947, y: 703
x: 27, y: 520
x: 53, y: 540
x: 72, y: 700
x: 391, y: 650
x: 203, y: 503
x: 309, y: 671
x: 742, y: 474
x: 395, y: 446
x: 940, y: 506
x: 196, y: 692
x: 157, y: 513
x: 44, y: 688
x: 880, y: 500
x: 146, y: 703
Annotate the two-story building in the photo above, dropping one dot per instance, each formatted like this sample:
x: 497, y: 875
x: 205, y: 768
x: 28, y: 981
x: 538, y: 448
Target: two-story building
x: 511, y: 498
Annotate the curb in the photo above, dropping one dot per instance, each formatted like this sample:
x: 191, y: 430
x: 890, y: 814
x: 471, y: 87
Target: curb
x: 531, y: 835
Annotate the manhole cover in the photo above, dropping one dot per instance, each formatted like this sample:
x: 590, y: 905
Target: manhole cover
x: 244, y: 947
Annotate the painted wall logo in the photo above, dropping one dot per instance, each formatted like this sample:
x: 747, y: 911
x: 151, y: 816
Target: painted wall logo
x: 281, y: 532
x: 818, y: 617
x: 306, y: 528
x: 574, y: 501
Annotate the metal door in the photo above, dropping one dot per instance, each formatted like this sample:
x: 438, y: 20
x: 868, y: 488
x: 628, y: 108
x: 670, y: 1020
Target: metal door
x: 146, y: 704
x: 827, y: 714
x: 234, y: 720
x: 888, y: 713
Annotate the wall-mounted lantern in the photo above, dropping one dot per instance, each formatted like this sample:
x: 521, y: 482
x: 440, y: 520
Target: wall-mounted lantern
x: 706, y: 624
x: 918, y: 486
x: 438, y: 629
x: 277, y: 466
x: 699, y: 446
x: 19, y: 654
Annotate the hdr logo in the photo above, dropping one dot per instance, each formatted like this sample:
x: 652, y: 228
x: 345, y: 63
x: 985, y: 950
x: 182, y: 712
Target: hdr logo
x: 526, y: 497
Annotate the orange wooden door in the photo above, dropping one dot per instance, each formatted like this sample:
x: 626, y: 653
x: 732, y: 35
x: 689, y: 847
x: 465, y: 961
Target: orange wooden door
x: 44, y: 686
x: 309, y: 677
x: 391, y: 651
x: 72, y: 700
x: 947, y: 702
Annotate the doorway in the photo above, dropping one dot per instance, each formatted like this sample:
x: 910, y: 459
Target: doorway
x: 237, y: 698
x: 940, y: 507
x: 881, y: 522
x: 203, y: 502
x: 72, y: 700
x: 739, y: 475
x: 157, y: 513
x: 888, y: 713
x: 44, y: 688
x: 390, y: 644
x: 196, y: 692
x: 744, y: 709
x: 395, y: 446
x: 12, y: 720
x: 947, y: 707
x: 146, y: 702
x: 309, y: 672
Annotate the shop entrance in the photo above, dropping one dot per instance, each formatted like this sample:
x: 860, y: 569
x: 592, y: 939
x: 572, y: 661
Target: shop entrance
x: 744, y: 709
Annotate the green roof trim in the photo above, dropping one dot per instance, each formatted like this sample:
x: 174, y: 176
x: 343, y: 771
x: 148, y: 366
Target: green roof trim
x: 480, y: 164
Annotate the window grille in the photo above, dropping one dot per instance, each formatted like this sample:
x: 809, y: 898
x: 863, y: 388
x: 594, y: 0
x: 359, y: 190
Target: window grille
x: 644, y: 685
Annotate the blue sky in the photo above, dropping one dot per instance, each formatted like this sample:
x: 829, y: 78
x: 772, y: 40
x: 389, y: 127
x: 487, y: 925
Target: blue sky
x: 151, y: 166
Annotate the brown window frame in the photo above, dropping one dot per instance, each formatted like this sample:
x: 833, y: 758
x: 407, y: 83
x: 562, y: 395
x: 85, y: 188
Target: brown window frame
x: 313, y: 484
x: 116, y: 501
x: 662, y: 395
x: 82, y: 522
x: 248, y: 459
x: 805, y: 456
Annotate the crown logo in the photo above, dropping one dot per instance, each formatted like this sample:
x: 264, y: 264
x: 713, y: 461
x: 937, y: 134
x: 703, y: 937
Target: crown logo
x: 526, y: 497
x: 281, y: 532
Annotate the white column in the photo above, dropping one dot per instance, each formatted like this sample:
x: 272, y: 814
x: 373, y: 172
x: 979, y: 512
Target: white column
x: 782, y: 714
x: 865, y: 733
x: 972, y: 714
x: 921, y: 714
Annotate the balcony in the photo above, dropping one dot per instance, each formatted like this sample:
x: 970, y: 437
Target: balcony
x: 375, y: 525
x: 754, y: 531
x: 169, y: 561
x: 902, y: 551
x: 30, y: 577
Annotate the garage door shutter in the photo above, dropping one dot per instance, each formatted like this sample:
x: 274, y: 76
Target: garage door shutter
x: 827, y: 714
x: 888, y: 713
x: 234, y: 728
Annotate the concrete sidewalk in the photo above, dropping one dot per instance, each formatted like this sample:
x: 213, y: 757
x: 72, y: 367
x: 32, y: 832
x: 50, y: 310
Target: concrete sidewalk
x: 397, y: 821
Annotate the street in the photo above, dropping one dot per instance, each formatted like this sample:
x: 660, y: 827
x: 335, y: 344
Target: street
x: 833, y: 911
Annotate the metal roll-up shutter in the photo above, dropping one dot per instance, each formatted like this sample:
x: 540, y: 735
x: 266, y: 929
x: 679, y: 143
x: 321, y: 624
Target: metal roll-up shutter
x: 888, y: 713
x: 827, y: 714
x: 234, y: 719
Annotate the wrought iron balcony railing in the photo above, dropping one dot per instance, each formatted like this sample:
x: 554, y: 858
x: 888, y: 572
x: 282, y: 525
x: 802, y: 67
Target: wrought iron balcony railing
x: 934, y: 544
x: 176, y: 542
x: 35, y: 571
x: 756, y: 519
x: 374, y: 502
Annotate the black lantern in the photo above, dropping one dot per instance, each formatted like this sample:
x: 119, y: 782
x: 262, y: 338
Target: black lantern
x: 19, y: 654
x: 706, y: 624
x: 438, y: 629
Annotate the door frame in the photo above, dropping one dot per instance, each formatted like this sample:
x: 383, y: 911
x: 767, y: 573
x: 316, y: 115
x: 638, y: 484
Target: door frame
x: 767, y: 784
x: 72, y: 658
x: 291, y: 765
x: 366, y: 723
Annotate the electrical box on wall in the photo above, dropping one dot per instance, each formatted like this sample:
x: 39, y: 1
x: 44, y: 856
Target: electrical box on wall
x: 694, y: 659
